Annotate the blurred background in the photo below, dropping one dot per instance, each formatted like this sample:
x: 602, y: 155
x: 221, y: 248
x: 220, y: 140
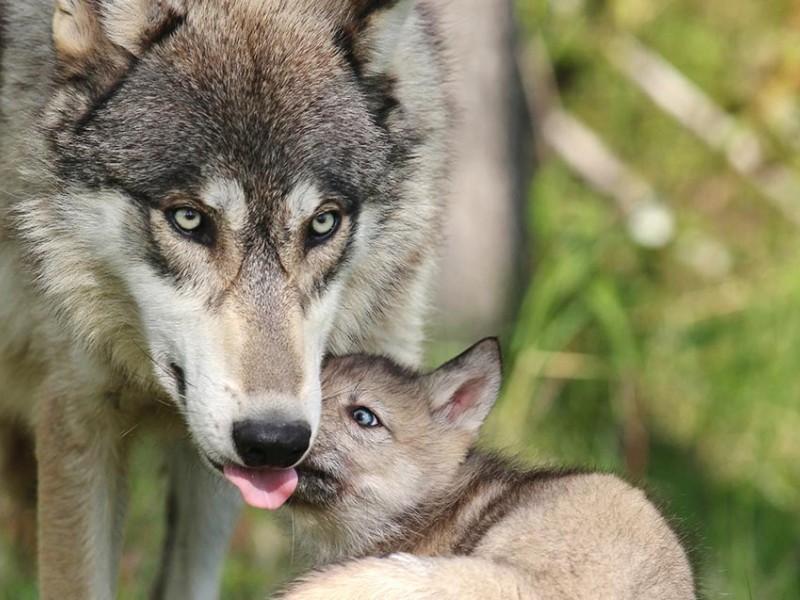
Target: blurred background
x: 625, y: 214
x: 654, y: 295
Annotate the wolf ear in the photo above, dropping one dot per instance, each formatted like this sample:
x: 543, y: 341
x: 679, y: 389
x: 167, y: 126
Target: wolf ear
x: 92, y: 33
x: 464, y: 390
x: 375, y: 30
x: 77, y: 34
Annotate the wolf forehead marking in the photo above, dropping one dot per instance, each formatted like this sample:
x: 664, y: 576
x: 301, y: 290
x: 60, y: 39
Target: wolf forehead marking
x: 184, y: 109
x: 303, y: 200
x: 227, y: 197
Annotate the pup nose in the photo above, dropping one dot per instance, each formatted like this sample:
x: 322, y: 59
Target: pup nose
x: 271, y: 444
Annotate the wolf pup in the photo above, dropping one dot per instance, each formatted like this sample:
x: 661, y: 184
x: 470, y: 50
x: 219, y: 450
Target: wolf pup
x: 394, y: 475
x: 198, y: 200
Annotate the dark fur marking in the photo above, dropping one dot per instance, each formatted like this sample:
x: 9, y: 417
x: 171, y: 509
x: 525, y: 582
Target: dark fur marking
x: 516, y: 486
x: 104, y: 99
x: 343, y: 260
x: 160, y: 265
x: 180, y: 380
x: 339, y: 188
x: 165, y: 30
x: 364, y: 8
x: 141, y: 197
x: 152, y: 253
x: 377, y: 90
x: 381, y: 101
x: 160, y: 587
x: 316, y: 488
x: 346, y: 36
x: 160, y: 35
x: 343, y: 39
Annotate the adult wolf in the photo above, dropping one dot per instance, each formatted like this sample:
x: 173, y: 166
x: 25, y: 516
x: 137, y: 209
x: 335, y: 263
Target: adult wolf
x: 199, y: 198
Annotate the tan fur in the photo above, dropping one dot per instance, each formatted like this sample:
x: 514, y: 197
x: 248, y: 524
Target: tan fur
x: 81, y: 44
x: 130, y: 23
x: 409, y: 577
x: 454, y: 523
x: 74, y: 30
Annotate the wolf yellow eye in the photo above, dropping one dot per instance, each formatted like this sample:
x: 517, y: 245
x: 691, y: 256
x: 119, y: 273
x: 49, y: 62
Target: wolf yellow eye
x: 364, y: 417
x: 323, y: 226
x: 193, y: 224
x: 187, y: 219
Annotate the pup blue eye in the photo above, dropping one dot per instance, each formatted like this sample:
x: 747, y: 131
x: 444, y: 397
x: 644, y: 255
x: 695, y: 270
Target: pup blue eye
x: 365, y: 418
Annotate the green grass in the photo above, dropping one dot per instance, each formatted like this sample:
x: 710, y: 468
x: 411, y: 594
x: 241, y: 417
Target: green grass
x: 689, y: 380
x: 628, y: 359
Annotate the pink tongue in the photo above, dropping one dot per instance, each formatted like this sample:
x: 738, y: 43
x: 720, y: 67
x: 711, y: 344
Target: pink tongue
x: 262, y: 488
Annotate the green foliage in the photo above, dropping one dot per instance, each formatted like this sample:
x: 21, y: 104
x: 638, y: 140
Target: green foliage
x: 677, y: 366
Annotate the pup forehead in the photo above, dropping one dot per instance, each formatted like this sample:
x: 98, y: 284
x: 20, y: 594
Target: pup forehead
x: 374, y: 381
x: 363, y: 367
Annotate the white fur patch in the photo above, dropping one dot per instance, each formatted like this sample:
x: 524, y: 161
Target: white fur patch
x: 71, y: 31
x: 420, y: 564
x: 227, y: 197
x: 319, y: 321
x: 390, y: 27
x: 180, y: 329
x: 302, y: 202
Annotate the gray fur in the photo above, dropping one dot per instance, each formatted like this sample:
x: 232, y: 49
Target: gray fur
x: 116, y: 112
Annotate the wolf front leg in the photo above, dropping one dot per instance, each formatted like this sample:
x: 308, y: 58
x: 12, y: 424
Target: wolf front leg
x: 407, y: 577
x: 202, y: 511
x: 82, y: 495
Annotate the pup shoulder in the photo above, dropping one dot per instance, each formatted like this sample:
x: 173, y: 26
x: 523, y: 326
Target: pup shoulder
x: 597, y: 532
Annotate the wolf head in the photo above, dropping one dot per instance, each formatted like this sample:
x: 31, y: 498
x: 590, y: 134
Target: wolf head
x: 390, y: 440
x: 238, y: 186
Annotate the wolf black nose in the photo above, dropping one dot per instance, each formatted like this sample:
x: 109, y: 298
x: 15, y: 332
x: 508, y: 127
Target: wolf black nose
x: 271, y: 444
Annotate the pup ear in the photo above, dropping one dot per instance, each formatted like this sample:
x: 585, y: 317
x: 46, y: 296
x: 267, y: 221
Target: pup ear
x: 375, y: 30
x: 464, y: 390
x: 88, y: 34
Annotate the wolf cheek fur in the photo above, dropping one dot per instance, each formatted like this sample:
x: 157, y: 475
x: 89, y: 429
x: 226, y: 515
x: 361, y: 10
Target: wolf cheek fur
x: 163, y: 165
x: 392, y: 475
